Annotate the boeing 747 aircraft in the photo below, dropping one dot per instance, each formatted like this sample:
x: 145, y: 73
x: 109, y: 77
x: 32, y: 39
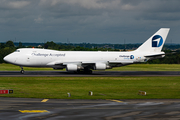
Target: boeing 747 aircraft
x: 87, y: 61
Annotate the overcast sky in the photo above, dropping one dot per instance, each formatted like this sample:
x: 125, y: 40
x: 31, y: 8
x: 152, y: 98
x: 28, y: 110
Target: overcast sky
x: 88, y: 21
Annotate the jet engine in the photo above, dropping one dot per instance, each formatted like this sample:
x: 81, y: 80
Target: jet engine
x: 100, y: 66
x: 71, y: 67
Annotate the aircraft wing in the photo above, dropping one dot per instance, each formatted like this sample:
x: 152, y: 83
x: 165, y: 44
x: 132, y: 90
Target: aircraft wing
x: 55, y: 63
x: 108, y: 63
x: 96, y: 65
x: 90, y: 62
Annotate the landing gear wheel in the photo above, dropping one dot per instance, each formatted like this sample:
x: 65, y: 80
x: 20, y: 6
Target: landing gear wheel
x: 88, y: 71
x: 22, y: 71
x: 78, y: 71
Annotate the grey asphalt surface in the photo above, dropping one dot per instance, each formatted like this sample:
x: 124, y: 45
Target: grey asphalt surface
x: 95, y: 73
x: 55, y: 109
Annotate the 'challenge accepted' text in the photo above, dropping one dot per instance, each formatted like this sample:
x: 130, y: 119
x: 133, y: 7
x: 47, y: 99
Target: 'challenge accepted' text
x: 51, y: 55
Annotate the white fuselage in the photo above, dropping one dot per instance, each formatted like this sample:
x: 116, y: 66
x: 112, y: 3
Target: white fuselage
x: 33, y: 57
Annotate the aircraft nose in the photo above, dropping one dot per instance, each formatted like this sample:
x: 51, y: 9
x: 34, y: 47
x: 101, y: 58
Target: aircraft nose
x: 8, y: 59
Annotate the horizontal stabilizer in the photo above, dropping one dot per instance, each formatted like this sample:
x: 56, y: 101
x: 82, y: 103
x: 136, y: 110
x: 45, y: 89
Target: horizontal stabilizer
x: 155, y: 55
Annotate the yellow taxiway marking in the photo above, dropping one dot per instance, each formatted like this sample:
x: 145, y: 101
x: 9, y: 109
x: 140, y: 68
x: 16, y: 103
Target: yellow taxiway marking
x: 33, y: 111
x: 45, y: 100
x: 116, y: 101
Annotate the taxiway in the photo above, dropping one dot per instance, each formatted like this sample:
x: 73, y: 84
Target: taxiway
x: 53, y: 109
x: 95, y: 73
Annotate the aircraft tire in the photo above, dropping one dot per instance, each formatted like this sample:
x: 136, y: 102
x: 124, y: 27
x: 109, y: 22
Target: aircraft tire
x: 88, y: 71
x: 22, y: 71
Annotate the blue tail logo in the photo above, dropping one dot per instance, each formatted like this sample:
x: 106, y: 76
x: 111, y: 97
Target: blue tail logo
x: 157, y: 41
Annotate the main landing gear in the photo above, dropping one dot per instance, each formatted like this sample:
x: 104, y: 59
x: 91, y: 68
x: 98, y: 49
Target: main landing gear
x: 22, y: 71
x: 87, y: 71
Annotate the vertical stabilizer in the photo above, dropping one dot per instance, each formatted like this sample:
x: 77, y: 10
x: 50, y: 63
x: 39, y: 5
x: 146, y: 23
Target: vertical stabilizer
x: 155, y: 42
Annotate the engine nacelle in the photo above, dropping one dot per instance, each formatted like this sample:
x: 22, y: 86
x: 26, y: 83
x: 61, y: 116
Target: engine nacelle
x: 71, y: 67
x: 100, y: 66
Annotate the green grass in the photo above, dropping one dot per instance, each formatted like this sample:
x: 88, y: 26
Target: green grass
x: 10, y: 67
x: 149, y: 67
x: 102, y: 87
x: 133, y: 67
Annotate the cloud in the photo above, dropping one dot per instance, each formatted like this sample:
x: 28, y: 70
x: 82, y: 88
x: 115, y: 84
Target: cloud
x: 12, y: 4
x: 88, y: 4
x: 18, y: 4
x: 86, y: 20
x: 38, y: 20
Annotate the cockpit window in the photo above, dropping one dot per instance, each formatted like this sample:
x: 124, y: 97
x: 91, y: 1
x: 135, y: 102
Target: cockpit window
x: 17, y: 51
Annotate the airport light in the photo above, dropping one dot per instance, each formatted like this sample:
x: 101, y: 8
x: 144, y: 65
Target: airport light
x: 69, y: 94
x: 90, y: 93
x: 141, y: 93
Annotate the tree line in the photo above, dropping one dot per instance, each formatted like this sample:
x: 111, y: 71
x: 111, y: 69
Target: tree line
x: 172, y: 57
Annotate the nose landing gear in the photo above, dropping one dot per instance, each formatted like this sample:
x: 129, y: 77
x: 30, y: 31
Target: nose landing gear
x: 22, y: 71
